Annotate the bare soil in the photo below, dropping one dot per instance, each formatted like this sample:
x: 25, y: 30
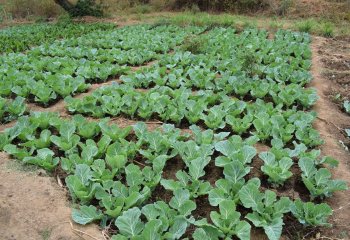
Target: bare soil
x: 330, y: 118
x: 34, y: 207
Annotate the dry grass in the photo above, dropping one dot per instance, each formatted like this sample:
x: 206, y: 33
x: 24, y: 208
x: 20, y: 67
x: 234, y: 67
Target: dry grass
x: 31, y: 8
x: 321, y: 17
x: 114, y: 7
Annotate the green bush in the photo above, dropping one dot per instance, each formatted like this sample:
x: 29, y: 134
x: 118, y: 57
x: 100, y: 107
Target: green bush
x: 87, y: 8
x: 221, y: 5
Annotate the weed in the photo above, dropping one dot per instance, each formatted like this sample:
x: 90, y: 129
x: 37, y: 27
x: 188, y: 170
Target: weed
x: 249, y: 24
x: 45, y: 234
x: 64, y: 19
x: 4, y: 14
x: 161, y: 22
x: 249, y: 62
x: 327, y: 30
x: 306, y: 25
x: 284, y: 6
x: 194, y: 8
x: 202, y: 19
x: 275, y: 25
x: 337, y: 97
x: 194, y: 44
x: 141, y: 9
x: 22, y: 167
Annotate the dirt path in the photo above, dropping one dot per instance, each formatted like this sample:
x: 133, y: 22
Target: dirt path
x: 34, y: 207
x: 330, y: 118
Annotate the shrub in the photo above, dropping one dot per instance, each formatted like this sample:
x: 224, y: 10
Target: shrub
x: 221, y: 5
x: 159, y: 5
x: 4, y: 14
x: 87, y: 8
x: 284, y: 7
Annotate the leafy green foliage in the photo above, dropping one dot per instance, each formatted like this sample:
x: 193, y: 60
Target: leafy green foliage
x: 239, y: 91
x: 164, y: 221
x: 43, y: 159
x: 190, y: 180
x: 346, y: 106
x: 86, y: 214
x: 318, y: 181
x: 60, y: 69
x: 226, y: 224
x: 310, y: 214
x: 228, y: 188
x: 235, y: 149
x: 11, y: 109
x: 276, y: 169
x: 267, y: 210
x: 12, y: 40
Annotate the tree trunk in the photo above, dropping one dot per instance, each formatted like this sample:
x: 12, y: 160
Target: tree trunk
x: 65, y: 4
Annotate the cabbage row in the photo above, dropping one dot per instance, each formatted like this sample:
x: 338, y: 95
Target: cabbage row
x: 113, y: 173
x: 232, y: 90
x: 12, y: 39
x: 11, y: 109
x: 245, y: 84
x: 264, y: 98
x: 44, y: 78
x: 94, y: 46
x: 207, y: 72
x: 215, y: 111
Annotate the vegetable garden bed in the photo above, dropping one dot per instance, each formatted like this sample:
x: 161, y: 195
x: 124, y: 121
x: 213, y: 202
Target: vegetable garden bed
x: 237, y: 152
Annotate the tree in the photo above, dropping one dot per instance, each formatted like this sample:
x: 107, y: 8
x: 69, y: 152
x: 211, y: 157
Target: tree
x: 81, y: 8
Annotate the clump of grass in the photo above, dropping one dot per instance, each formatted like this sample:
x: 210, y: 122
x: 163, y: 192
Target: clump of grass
x: 4, y: 14
x: 284, y: 6
x: 45, y: 234
x: 141, y: 9
x: 22, y: 167
x: 306, y: 26
x: 203, y: 19
x: 161, y: 22
x: 275, y: 25
x: 249, y: 62
x: 194, y: 8
x: 194, y: 44
x: 249, y: 24
x: 64, y: 19
x: 327, y: 30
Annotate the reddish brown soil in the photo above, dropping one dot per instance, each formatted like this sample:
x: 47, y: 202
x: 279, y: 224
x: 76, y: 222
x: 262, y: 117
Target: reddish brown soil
x: 34, y: 207
x: 330, y: 118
